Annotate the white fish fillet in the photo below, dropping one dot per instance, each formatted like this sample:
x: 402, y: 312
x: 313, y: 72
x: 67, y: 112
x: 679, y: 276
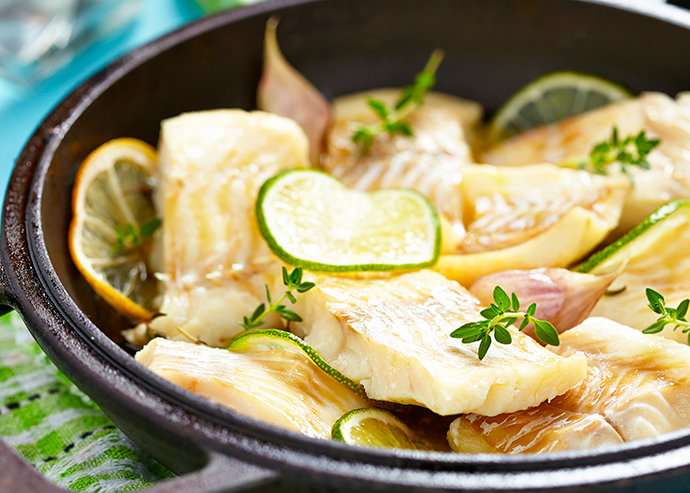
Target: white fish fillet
x: 279, y: 387
x: 660, y: 116
x: 430, y: 161
x: 215, y: 263
x: 537, y: 430
x: 529, y: 217
x: 391, y: 335
x: 660, y: 259
x: 640, y: 383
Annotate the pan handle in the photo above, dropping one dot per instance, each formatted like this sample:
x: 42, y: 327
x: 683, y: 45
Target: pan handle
x: 221, y: 474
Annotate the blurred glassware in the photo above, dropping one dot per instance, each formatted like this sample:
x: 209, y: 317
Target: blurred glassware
x: 39, y: 36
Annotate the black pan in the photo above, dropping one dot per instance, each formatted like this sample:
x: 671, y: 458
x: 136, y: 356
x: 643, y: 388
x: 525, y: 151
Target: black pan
x: 492, y: 48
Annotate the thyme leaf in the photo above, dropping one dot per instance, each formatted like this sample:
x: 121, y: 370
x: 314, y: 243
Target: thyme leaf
x: 503, y: 312
x: 131, y: 235
x: 393, y: 119
x: 667, y: 316
x: 292, y: 281
x: 631, y: 151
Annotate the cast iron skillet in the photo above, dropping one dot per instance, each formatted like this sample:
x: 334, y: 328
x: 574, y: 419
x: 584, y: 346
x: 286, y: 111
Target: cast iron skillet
x: 492, y: 48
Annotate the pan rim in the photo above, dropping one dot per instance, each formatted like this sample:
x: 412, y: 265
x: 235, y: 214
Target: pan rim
x: 69, y: 110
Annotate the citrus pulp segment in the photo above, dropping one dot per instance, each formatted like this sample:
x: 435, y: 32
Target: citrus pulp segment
x: 551, y: 98
x: 112, y: 198
x: 374, y: 427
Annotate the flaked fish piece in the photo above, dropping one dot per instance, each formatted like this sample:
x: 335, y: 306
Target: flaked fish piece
x: 279, y: 387
x: 660, y: 116
x: 391, y: 335
x: 537, y: 430
x: 430, y: 161
x: 442, y: 125
x: 658, y: 259
x: 214, y: 261
x: 530, y: 217
x: 639, y: 383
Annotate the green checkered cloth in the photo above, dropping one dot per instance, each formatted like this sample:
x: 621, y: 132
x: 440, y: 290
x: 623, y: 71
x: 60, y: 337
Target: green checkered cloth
x: 55, y: 427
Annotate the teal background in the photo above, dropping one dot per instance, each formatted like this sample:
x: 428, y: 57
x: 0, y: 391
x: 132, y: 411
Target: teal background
x: 22, y: 110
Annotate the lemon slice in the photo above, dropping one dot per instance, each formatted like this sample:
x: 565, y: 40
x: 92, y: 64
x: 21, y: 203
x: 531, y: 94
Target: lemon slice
x: 310, y: 219
x: 551, y: 98
x: 113, y: 190
x: 374, y: 427
x: 270, y: 339
x: 666, y: 218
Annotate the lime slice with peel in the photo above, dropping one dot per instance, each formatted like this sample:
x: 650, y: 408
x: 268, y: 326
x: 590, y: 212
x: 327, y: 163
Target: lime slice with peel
x: 666, y: 218
x: 551, y: 98
x: 270, y: 339
x: 311, y: 220
x: 374, y: 427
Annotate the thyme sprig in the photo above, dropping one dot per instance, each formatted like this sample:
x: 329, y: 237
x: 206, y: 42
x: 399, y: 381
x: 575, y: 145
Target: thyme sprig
x: 505, y: 311
x: 293, y: 281
x: 393, y: 119
x: 668, y: 316
x: 132, y: 235
x: 617, y: 150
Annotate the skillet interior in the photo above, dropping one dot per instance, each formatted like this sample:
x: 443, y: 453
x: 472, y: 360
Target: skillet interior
x: 342, y: 46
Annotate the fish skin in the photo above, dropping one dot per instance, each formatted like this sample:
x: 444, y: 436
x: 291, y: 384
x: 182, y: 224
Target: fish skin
x: 279, y: 387
x: 214, y: 261
x: 537, y: 430
x: 639, y: 383
x: 659, y: 115
x: 391, y: 334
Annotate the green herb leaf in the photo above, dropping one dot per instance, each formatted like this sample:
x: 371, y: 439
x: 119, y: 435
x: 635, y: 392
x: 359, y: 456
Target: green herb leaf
x: 617, y: 150
x: 484, y: 347
x: 546, y: 332
x: 656, y: 301
x: 379, y: 108
x: 655, y: 328
x: 502, y: 299
x: 132, y: 237
x: 516, y: 302
x: 667, y: 315
x: 291, y: 280
x: 304, y: 287
x: 502, y: 335
x: 150, y: 227
x: 498, y: 317
x: 393, y: 120
x: 682, y: 309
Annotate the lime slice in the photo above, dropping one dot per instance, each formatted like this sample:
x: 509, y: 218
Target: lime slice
x: 311, y: 220
x: 666, y: 218
x: 552, y: 98
x: 112, y: 197
x: 374, y: 427
x: 270, y: 339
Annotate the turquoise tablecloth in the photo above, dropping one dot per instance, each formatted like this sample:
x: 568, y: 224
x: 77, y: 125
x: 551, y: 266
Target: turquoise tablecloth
x: 42, y: 415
